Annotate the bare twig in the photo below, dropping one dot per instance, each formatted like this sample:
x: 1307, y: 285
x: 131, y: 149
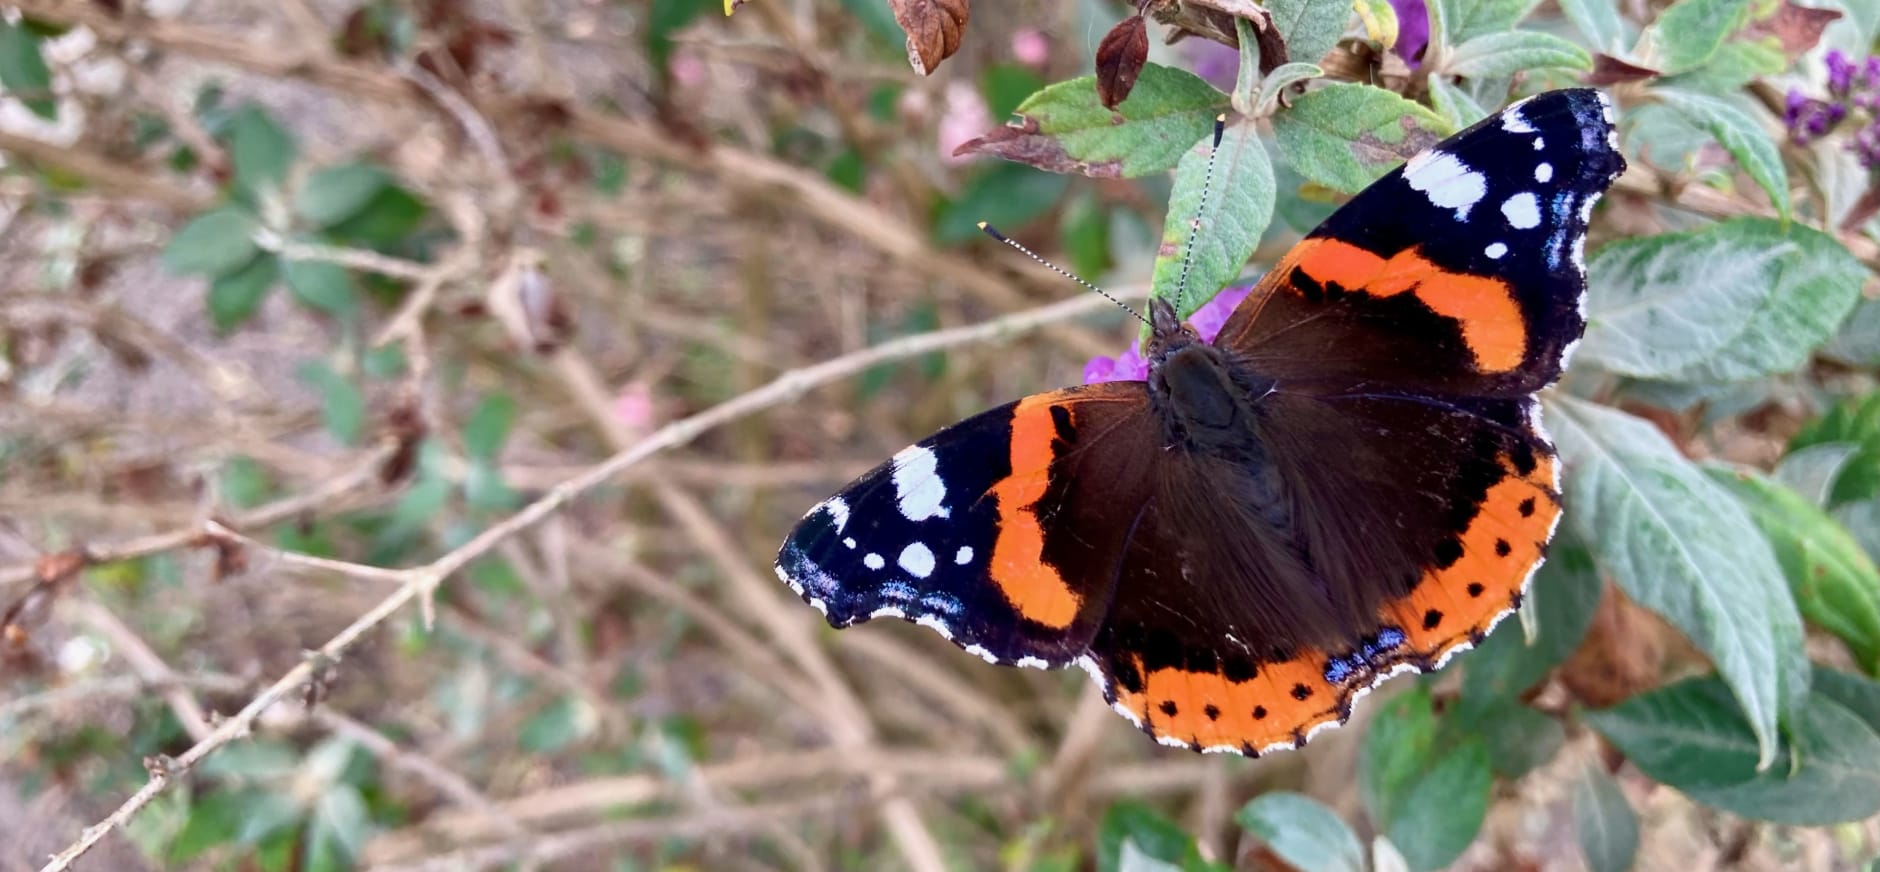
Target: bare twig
x: 420, y: 582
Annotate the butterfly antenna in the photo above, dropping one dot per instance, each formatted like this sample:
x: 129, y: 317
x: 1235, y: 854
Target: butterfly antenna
x: 995, y: 234
x: 1194, y: 226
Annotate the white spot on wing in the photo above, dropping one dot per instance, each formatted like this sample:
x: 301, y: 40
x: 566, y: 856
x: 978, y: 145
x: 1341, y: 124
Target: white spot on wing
x: 1030, y: 662
x: 849, y: 543
x: 917, y: 559
x: 935, y: 624
x: 964, y: 555
x: 888, y: 612
x: 873, y: 560
x: 917, y: 484
x: 1544, y: 173
x: 1522, y: 210
x: 981, y: 653
x: 1495, y: 250
x: 1539, y: 143
x: 1512, y: 120
x: 1446, y: 181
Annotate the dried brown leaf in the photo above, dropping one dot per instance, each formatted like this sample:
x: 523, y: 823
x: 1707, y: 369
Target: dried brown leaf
x: 934, y: 28
x: 1214, y: 19
x: 1797, y: 28
x: 1022, y: 143
x: 1609, y: 70
x: 1863, y: 210
x: 1120, y: 58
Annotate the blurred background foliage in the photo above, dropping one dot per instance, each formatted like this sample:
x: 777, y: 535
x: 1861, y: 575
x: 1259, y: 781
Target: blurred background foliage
x: 357, y: 281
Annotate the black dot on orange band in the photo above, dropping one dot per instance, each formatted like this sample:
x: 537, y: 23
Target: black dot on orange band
x: 1476, y: 636
x: 1448, y: 552
x: 1527, y: 508
x: 1301, y: 692
x: 1212, y: 711
x: 1476, y: 588
x: 1168, y: 707
x: 1431, y: 618
x: 1502, y: 548
x: 1259, y: 713
x: 1248, y: 750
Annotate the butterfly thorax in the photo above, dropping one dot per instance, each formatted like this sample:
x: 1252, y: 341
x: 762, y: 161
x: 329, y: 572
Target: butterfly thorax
x: 1207, y: 401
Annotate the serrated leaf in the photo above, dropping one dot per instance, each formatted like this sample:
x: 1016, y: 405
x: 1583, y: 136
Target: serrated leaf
x: 1239, y: 207
x: 1729, y: 302
x: 1599, y: 22
x: 23, y: 70
x: 1739, y: 135
x: 1345, y: 136
x: 1302, y: 832
x: 1380, y: 21
x: 1493, y: 55
x: 1690, y: 31
x: 1834, y: 583
x: 336, y: 193
x: 1428, y: 795
x: 234, y: 298
x: 1065, y: 129
x: 1677, y: 544
x: 260, y: 152
x: 1691, y: 736
x: 1310, y: 27
x: 1604, y: 822
x: 320, y: 285
x: 1454, y: 104
x: 213, y: 244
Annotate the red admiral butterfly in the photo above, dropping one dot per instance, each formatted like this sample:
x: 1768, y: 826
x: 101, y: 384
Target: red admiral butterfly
x: 1352, y: 481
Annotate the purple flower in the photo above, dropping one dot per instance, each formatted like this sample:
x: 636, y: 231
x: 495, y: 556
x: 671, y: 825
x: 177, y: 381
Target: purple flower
x: 1413, y: 30
x: 1866, y: 146
x: 1809, y: 119
x: 1216, y: 63
x: 1207, y: 322
x: 1841, y: 72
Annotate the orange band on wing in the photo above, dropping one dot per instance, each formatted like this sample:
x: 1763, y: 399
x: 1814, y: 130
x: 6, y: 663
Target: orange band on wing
x: 1031, y: 585
x: 1499, y: 548
x: 1278, y: 705
x: 1484, y: 307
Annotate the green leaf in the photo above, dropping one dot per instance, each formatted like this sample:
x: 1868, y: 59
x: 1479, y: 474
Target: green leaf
x: 1084, y: 235
x: 1504, y: 54
x: 1427, y: 795
x: 1240, y: 205
x: 1561, y: 599
x: 235, y: 297
x: 341, y: 824
x: 1676, y: 543
x: 336, y: 193
x: 259, y: 150
x: 484, y: 489
x: 1811, y: 471
x: 1832, y: 580
x: 1519, y: 739
x: 1005, y: 86
x: 386, y: 219
x: 1302, y: 832
x: 213, y: 820
x: 23, y: 70
x: 1858, y: 343
x: 1310, y: 27
x: 1007, y: 196
x: 215, y: 243
x: 1455, y: 104
x: 1729, y: 302
x: 1734, y: 65
x: 1064, y: 128
x: 1464, y: 20
x: 1740, y: 135
x: 1132, y: 858
x: 556, y: 726
x: 244, y: 483
x: 1858, y: 695
x: 1604, y: 822
x: 1690, y: 31
x: 342, y: 407
x: 1345, y: 136
x: 665, y: 18
x: 1691, y: 736
x: 320, y: 285
x: 1154, y: 837
x: 1599, y: 22
x: 488, y: 426
x: 1282, y: 77
x: 1855, y: 422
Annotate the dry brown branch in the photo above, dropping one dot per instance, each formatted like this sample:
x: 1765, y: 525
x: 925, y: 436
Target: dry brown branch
x: 448, y: 783
x: 421, y: 582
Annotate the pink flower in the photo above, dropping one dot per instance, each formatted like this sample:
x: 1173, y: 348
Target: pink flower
x: 1207, y: 322
x: 1030, y: 47
x: 964, y: 116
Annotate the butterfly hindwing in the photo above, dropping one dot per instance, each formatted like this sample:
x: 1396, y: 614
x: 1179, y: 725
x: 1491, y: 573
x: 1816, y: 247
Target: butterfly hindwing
x: 1003, y: 532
